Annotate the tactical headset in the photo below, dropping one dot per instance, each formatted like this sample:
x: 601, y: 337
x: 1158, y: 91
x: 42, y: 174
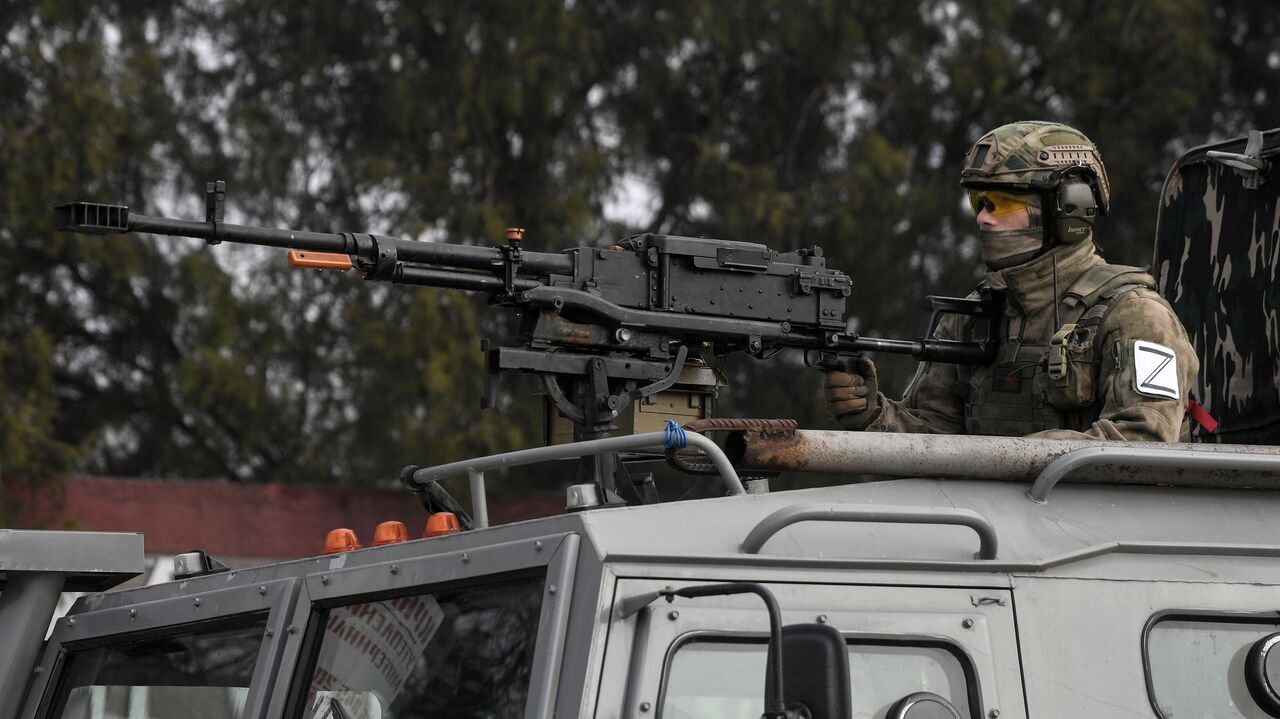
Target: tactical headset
x: 1072, y: 207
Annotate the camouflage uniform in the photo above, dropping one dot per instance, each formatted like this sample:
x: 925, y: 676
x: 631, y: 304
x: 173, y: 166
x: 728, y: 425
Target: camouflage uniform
x: 1112, y: 362
x: 1012, y: 396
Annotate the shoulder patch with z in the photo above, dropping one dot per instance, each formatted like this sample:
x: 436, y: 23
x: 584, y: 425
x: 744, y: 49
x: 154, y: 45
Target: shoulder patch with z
x: 1155, y: 370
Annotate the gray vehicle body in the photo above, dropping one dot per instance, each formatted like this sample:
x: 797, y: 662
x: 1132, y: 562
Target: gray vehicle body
x: 1055, y: 624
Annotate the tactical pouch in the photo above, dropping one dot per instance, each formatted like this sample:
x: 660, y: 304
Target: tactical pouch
x: 1072, y: 368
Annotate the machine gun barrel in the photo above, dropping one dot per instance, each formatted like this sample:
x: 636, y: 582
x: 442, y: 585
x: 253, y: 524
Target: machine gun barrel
x: 101, y: 219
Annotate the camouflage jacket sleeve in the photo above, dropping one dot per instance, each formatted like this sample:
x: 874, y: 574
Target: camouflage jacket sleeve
x: 1129, y: 412
x: 930, y: 405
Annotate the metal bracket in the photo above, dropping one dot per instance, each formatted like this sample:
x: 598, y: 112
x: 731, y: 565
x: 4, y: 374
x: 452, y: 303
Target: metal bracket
x: 1250, y: 165
x: 597, y: 372
x: 388, y: 259
x: 567, y: 408
x: 215, y: 201
x: 677, y: 366
x: 512, y: 258
x: 575, y: 363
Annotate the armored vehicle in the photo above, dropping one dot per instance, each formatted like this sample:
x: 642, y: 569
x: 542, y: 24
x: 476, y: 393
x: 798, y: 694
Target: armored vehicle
x: 966, y: 580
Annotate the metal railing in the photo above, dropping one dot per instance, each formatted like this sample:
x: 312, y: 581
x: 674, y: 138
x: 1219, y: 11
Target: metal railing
x: 1146, y: 458
x: 475, y: 468
x: 787, y: 516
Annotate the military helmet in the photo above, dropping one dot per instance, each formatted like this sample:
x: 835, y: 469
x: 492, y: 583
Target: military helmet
x: 1035, y: 157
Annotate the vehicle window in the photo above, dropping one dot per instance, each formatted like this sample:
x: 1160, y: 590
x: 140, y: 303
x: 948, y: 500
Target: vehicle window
x: 201, y: 673
x: 725, y: 678
x: 1196, y: 667
x: 458, y: 653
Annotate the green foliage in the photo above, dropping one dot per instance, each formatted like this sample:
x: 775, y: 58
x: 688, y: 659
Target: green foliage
x: 28, y: 408
x: 58, y: 129
x: 793, y: 123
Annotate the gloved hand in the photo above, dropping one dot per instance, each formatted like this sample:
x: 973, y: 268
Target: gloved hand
x: 853, y: 396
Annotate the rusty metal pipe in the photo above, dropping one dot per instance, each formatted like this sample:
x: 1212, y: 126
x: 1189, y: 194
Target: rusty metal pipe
x: 965, y: 457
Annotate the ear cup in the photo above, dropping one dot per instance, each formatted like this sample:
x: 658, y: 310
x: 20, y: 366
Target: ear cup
x: 1074, y: 209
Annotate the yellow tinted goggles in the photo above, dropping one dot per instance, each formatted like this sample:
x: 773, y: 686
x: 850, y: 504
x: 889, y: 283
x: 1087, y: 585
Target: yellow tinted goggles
x: 998, y: 203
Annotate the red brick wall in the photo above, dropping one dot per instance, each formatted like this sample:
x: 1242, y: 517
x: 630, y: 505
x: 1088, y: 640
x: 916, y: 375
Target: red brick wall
x: 254, y: 520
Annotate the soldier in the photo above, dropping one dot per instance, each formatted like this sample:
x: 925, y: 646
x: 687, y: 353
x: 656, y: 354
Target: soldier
x: 1089, y: 350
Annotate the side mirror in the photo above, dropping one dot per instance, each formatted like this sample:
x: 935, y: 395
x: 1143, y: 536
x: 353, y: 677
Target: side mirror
x: 815, y: 669
x: 923, y: 705
x: 1262, y: 673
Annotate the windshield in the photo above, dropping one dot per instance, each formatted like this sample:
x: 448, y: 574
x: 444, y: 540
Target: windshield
x: 725, y: 678
x: 459, y: 653
x: 201, y: 673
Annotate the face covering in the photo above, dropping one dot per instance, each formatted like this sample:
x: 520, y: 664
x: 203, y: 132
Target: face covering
x: 1005, y: 248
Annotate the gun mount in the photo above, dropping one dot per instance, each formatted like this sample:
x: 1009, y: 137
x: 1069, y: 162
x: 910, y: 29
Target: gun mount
x: 605, y: 329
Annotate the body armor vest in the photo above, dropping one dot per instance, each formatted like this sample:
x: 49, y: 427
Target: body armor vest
x: 1016, y: 395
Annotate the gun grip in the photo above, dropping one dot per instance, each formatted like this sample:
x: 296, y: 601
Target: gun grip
x: 829, y: 361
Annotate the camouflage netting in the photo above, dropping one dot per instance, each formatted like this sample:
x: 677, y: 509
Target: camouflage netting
x: 1217, y: 261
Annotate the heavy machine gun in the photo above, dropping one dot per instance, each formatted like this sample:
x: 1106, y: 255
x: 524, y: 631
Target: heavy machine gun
x: 604, y: 328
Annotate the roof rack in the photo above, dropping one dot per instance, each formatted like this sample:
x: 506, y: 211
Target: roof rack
x: 475, y: 468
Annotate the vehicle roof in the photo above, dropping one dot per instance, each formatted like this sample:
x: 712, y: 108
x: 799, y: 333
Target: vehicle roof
x: 1083, y: 530
x: 1076, y: 517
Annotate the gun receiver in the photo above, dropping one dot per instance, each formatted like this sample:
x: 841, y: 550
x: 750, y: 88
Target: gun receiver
x: 603, y: 327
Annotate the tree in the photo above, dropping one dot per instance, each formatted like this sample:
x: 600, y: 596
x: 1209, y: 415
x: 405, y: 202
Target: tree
x: 797, y: 123
x: 65, y: 123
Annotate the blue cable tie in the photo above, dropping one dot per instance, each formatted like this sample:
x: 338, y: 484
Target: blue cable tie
x: 676, y: 436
